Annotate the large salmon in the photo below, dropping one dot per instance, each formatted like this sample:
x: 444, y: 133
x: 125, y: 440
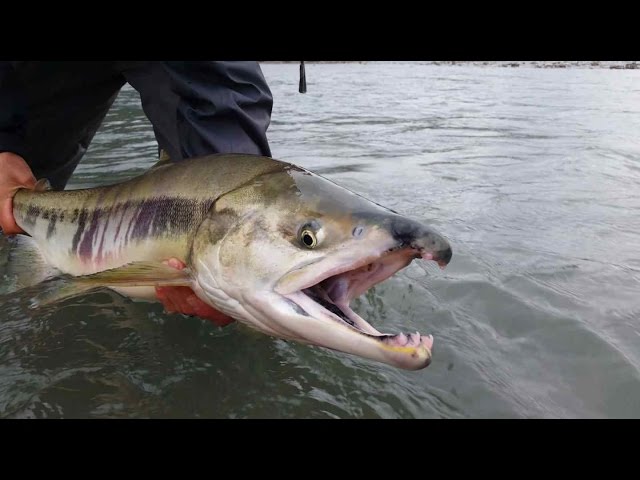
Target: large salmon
x: 268, y: 243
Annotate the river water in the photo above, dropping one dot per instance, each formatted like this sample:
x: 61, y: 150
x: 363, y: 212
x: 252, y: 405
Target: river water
x: 532, y: 174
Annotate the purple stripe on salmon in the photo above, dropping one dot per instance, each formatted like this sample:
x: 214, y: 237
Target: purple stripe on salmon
x: 155, y: 217
x: 84, y: 248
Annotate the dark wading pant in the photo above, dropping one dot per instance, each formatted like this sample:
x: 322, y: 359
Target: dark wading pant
x: 196, y: 108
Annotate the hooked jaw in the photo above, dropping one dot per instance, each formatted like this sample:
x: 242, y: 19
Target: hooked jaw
x: 442, y: 260
x: 327, y: 299
x: 428, y: 243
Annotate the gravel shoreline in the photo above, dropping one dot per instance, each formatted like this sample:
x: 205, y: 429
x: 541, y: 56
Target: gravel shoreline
x: 615, y: 65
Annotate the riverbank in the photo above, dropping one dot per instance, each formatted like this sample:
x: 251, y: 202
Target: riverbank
x: 613, y: 65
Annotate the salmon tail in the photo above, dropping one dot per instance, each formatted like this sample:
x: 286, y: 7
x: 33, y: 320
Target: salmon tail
x: 22, y: 263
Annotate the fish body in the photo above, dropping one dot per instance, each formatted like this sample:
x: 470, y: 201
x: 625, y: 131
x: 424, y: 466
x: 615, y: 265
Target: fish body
x: 268, y: 243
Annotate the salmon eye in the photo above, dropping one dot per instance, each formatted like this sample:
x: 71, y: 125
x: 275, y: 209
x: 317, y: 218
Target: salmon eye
x: 308, y: 238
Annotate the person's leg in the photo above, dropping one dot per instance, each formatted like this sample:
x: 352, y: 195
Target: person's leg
x: 66, y: 103
x: 200, y: 108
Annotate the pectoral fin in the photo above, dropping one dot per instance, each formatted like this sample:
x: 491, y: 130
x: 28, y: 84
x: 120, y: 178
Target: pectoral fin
x: 137, y: 274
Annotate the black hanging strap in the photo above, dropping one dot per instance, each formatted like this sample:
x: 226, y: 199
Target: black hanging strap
x: 303, y: 79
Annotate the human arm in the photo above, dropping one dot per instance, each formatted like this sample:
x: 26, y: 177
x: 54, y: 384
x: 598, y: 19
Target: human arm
x: 15, y: 173
x: 224, y: 107
x: 197, y: 109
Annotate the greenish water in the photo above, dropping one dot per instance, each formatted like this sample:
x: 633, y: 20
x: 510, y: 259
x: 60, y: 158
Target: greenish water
x: 534, y: 176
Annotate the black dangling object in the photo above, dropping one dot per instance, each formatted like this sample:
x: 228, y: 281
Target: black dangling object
x: 303, y: 79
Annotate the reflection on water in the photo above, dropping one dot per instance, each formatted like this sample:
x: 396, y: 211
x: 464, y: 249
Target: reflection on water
x: 533, y: 175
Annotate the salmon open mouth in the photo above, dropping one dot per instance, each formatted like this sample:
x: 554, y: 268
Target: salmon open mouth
x: 331, y: 296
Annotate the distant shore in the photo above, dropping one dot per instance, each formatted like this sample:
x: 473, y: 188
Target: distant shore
x: 618, y: 65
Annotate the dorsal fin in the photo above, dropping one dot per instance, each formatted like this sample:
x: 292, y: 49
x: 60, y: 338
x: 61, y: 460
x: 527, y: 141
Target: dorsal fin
x: 42, y: 185
x: 165, y: 159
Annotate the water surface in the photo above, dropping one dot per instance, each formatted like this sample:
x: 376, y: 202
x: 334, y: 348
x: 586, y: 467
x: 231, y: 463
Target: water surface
x: 534, y: 176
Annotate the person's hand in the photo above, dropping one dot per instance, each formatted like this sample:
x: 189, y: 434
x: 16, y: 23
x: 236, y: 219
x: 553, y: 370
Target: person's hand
x: 14, y: 174
x: 184, y: 300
